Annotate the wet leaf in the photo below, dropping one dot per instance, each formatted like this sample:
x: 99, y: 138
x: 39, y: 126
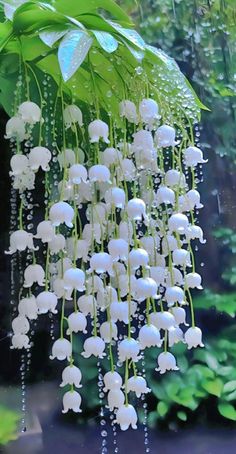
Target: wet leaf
x: 72, y: 51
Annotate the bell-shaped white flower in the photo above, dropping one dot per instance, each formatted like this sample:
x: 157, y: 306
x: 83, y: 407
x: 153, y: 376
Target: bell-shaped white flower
x: 158, y: 273
x: 181, y: 257
x: 71, y: 375
x: 101, y: 263
x: 148, y: 109
x: 15, y: 129
x: 86, y: 304
x: 110, y: 157
x: 128, y: 349
x: 143, y: 141
x: 99, y: 173
x: 39, y: 157
x: 46, y: 302
x: 193, y: 197
x: 97, y: 129
x: 72, y: 115
x: 30, y: 112
x: 174, y: 277
x: 20, y: 325
x: 179, y: 314
x: 193, y: 156
x: 57, y: 244
x: 173, y: 178
x: 136, y: 209
x: 126, y: 231
x: 118, y: 249
x: 61, y: 212
x: 126, y: 416
x: 74, y: 278
x: 20, y: 240
x: 178, y: 222
x: 76, y: 322
x: 126, y: 171
x: 66, y: 158
x: 115, y: 399
x: 45, y: 231
x: 77, y: 173
x: 112, y: 380
x: 82, y: 249
x: 193, y: 337
x: 193, y: 280
x: 174, y: 295
x: 138, y: 385
x: 92, y: 231
x: 128, y: 110
x: 149, y: 336
x: 194, y: 232
x: 165, y: 195
x: 162, y: 320
x: 28, y: 308
x: 120, y: 311
x: 61, y: 349
x: 108, y: 331
x: 138, y: 257
x: 72, y: 401
x: 166, y: 361
x: 34, y: 274
x: 20, y: 341
x: 175, y: 335
x: 94, y: 346
x: 165, y: 136
x: 115, y: 197
x: 19, y: 164
x: 146, y: 287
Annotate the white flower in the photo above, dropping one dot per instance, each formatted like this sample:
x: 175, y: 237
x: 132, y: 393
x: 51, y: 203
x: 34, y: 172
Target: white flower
x: 180, y: 315
x: 98, y: 129
x: 76, y: 322
x: 86, y: 304
x: 174, y: 295
x: 116, y: 197
x: 175, y: 335
x: 24, y: 181
x: 120, y: 311
x: 20, y: 341
x: 128, y: 110
x: 72, y: 115
x: 28, y: 308
x: 149, y: 336
x: 74, y: 279
x: 145, y: 288
x: 165, y: 136
x: 138, y: 257
x: 78, y: 173
x: 178, y: 222
x: 99, y: 173
x: 20, y: 241
x: 46, y: 302
x: 19, y: 164
x: 165, y: 195
x: 94, y: 346
x: 166, y: 361
x: 126, y: 416
x: 61, y: 349
x: 193, y: 197
x: 57, y: 244
x: 71, y: 375
x: 45, y: 231
x: 112, y: 380
x: 193, y: 280
x: 66, y: 158
x: 15, y: 129
x: 118, y: 249
x: 34, y: 274
x: 193, y: 337
x: 126, y: 170
x: 92, y: 231
x: 110, y: 157
x: 143, y: 141
x: 158, y: 273
x: 194, y: 232
x: 126, y: 231
x: 30, y: 112
x: 138, y: 385
x: 136, y: 209
x: 82, y: 249
x: 71, y: 401
x: 181, y: 257
x: 128, y: 349
x: 39, y: 157
x: 101, y: 263
x: 174, y: 178
x: 115, y: 399
x: 61, y: 212
x: 162, y: 320
x: 108, y: 331
x: 193, y: 156
x: 20, y: 325
x: 148, y: 109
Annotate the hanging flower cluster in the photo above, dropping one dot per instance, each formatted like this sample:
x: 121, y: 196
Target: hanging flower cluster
x: 117, y: 233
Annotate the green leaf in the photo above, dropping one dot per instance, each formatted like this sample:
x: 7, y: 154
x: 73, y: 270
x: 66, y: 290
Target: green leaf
x: 106, y: 41
x: 8, y: 425
x: 51, y: 37
x: 131, y: 35
x: 182, y: 415
x: 229, y: 386
x: 227, y: 410
x: 32, y: 16
x: 72, y: 51
x: 214, y: 387
x: 162, y: 409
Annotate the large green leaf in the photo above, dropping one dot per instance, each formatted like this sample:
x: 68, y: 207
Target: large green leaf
x: 106, y: 41
x: 72, y: 51
x: 227, y: 410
